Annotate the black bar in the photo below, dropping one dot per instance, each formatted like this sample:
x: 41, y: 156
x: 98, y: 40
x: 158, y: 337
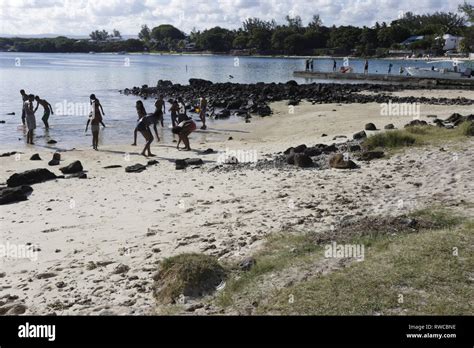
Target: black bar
x: 292, y: 331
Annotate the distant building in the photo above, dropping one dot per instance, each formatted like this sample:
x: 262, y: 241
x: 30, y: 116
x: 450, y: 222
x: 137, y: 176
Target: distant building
x: 411, y: 40
x: 451, y: 42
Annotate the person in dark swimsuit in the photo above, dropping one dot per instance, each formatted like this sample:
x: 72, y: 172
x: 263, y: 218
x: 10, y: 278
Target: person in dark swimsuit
x: 24, y: 97
x: 183, y: 130
x: 48, y: 109
x: 160, y: 109
x: 96, y: 109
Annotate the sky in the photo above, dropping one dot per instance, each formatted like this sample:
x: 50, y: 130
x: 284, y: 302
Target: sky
x: 80, y: 17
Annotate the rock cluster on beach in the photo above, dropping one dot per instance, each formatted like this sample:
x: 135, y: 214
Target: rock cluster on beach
x: 245, y: 99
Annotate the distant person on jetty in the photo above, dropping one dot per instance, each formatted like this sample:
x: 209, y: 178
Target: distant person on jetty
x: 334, y: 65
x: 366, y: 67
x: 96, y: 108
x: 311, y: 64
x: 160, y: 109
x: 24, y: 98
x: 401, y: 70
x: 148, y: 119
x: 307, y: 64
x: 202, y: 112
x: 183, y: 130
x: 48, y: 109
x: 174, y: 109
x: 30, y: 118
x: 390, y: 66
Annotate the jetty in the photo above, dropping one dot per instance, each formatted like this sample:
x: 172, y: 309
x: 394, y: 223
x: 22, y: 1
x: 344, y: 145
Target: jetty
x: 467, y: 83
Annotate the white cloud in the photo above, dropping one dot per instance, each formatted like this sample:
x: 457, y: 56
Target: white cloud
x: 79, y: 17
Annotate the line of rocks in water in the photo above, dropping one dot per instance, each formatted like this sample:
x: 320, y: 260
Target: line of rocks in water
x: 245, y: 99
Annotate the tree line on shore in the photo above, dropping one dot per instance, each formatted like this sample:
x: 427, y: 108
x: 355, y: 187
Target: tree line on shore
x: 257, y: 36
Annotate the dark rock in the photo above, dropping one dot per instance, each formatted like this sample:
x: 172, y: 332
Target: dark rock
x: 152, y: 163
x: 323, y: 135
x: 208, y: 152
x: 312, y: 152
x: 113, y: 166
x: 30, y: 177
x: 389, y: 126
x: 415, y: 123
x: 194, y: 162
x: 289, y: 150
x: 14, y: 194
x: 247, y: 264
x: 120, y: 269
x: 35, y: 157
x: 370, y: 127
x: 330, y: 148
x: 360, y: 135
x: 53, y: 162
x: 454, y: 118
x: 303, y: 161
x: 180, y: 164
x: 339, y: 137
x: 338, y: 162
x: 80, y: 175
x: 52, y: 141
x: 136, y: 168
x: 74, y: 167
x: 223, y: 114
x: 354, y: 148
x: 300, y: 148
x: 264, y: 110
x: 231, y: 160
x: 371, y: 155
x: 8, y: 154
x: 293, y: 102
x: 290, y: 158
x: 199, y: 83
x: 57, y: 156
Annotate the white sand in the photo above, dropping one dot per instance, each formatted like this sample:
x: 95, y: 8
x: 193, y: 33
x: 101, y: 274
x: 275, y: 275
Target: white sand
x: 138, y: 219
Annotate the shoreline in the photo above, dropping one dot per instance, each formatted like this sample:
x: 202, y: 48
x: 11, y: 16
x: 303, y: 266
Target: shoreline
x: 207, y: 54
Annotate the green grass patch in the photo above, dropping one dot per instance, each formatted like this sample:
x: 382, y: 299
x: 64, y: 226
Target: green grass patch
x: 392, y: 140
x: 279, y: 252
x: 418, y: 135
x: 417, y: 263
x: 415, y: 274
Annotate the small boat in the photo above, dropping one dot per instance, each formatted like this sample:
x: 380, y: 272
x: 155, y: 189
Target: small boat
x: 441, y: 73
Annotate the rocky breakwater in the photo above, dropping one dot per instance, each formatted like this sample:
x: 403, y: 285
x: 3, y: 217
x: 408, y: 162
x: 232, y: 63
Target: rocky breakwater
x: 245, y: 99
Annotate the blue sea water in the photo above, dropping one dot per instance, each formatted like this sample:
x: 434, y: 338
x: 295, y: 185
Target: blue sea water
x: 67, y: 80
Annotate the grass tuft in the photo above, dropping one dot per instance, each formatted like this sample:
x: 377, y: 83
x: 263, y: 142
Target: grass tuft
x: 190, y: 275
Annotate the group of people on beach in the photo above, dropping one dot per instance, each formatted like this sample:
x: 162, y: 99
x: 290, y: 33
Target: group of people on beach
x: 28, y: 113
x: 182, y: 124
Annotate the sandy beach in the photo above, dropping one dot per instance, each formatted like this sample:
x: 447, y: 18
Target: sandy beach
x: 99, y: 239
